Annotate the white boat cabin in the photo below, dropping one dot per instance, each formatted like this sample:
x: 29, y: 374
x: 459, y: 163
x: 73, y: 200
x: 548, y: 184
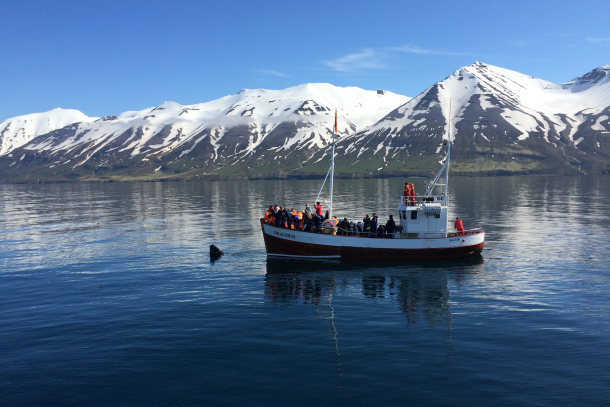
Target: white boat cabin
x: 424, y: 218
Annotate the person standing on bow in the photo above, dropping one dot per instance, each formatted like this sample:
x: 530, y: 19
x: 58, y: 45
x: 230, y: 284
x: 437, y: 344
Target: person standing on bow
x: 459, y: 227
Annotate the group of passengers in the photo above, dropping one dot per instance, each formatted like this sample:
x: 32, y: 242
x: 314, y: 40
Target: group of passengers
x: 369, y: 227
x: 314, y: 221
x: 307, y: 220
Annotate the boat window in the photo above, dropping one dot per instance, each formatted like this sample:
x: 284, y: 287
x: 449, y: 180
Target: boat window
x: 413, y: 214
x: 404, y: 214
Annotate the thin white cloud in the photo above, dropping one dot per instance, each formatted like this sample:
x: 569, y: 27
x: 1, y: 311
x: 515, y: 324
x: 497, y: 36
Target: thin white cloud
x: 371, y: 58
x: 270, y: 72
x: 519, y: 44
x: 413, y: 49
x: 601, y: 41
x: 565, y: 35
x: 367, y: 59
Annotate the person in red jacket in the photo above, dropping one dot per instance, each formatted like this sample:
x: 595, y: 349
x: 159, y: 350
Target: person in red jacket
x: 412, y: 194
x: 407, y: 192
x: 318, y: 208
x: 459, y: 227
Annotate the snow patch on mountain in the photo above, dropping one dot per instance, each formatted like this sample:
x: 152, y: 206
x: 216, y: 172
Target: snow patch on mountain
x: 598, y: 126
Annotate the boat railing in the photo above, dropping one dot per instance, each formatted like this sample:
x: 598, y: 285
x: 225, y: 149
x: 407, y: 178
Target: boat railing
x: 466, y: 232
x: 473, y: 231
x: 371, y: 234
x: 309, y: 228
x: 418, y: 200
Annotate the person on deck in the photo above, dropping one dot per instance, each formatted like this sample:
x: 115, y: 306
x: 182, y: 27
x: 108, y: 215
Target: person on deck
x: 307, y: 208
x: 407, y: 192
x: 412, y: 194
x: 288, y: 218
x: 268, y: 213
x: 390, y: 227
x: 344, y: 227
x: 353, y: 231
x: 366, y: 225
x: 307, y: 221
x: 318, y: 209
x: 317, y: 222
x: 374, y: 223
x: 327, y: 215
x: 281, y: 217
x: 459, y: 227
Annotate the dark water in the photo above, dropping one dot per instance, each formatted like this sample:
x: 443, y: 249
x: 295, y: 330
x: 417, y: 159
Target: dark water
x: 108, y: 298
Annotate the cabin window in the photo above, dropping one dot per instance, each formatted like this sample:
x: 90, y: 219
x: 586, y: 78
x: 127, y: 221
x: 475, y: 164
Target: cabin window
x: 413, y: 214
x: 404, y: 214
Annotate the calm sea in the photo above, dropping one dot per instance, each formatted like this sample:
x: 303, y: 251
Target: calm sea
x: 108, y: 298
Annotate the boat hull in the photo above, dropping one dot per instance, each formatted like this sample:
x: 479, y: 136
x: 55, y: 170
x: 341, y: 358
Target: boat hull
x: 280, y: 242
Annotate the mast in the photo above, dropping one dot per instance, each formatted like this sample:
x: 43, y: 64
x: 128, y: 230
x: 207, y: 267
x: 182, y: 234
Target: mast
x: 332, y: 170
x: 448, y: 157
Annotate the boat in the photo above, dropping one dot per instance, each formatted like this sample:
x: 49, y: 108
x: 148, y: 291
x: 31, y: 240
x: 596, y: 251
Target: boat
x: 424, y: 232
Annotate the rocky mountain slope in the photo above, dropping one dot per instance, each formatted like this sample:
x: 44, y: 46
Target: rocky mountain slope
x: 500, y: 121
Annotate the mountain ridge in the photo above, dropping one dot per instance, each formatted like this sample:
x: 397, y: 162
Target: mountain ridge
x: 502, y: 122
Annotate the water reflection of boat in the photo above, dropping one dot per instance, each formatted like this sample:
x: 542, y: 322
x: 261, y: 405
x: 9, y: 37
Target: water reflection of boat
x: 423, y: 232
x: 417, y: 286
x: 280, y: 265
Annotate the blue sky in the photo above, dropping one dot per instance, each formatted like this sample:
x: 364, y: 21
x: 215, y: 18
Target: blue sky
x: 106, y: 57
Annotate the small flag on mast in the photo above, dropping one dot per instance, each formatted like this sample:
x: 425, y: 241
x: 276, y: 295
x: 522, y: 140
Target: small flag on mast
x: 335, y: 120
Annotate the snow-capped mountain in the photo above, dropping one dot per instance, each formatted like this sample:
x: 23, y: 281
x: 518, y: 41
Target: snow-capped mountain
x: 496, y: 114
x: 217, y: 133
x: 19, y: 130
x: 500, y: 122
